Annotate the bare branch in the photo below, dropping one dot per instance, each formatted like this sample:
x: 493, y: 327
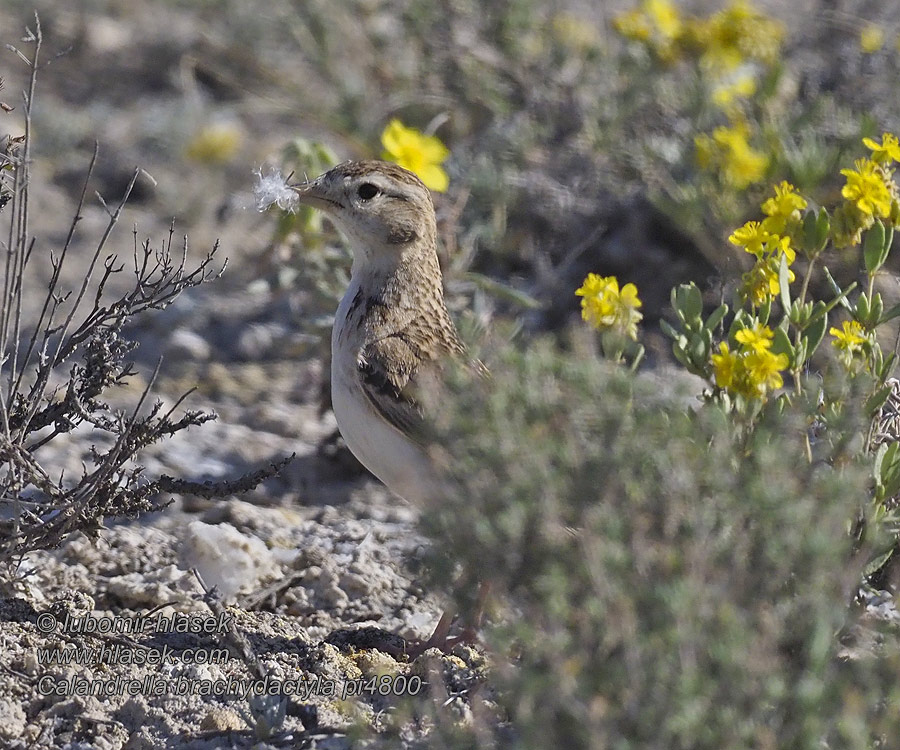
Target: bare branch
x: 81, y: 330
x: 211, y: 490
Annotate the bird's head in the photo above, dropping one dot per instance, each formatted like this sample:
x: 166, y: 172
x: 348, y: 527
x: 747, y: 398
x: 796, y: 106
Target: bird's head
x: 383, y: 209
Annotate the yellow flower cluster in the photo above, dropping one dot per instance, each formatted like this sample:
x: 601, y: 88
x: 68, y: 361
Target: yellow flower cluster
x: 725, y: 39
x: 214, y: 144
x: 850, y: 337
x: 851, y: 341
x: 871, y: 38
x: 768, y: 241
x: 732, y: 89
x: 607, y: 307
x: 656, y: 23
x: 735, y: 35
x: 729, y: 153
x: 752, y: 369
x: 419, y: 153
x: 869, y: 193
x: 731, y: 47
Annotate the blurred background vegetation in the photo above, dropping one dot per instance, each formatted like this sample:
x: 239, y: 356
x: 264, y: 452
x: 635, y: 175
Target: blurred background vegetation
x: 581, y: 138
x: 662, y: 580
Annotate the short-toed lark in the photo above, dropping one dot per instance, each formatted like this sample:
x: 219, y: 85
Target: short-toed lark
x: 392, y: 329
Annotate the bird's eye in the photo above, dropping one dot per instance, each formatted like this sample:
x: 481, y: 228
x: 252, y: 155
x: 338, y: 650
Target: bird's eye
x: 367, y: 191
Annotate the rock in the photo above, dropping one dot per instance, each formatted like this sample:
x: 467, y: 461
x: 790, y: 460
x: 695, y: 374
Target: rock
x: 226, y: 558
x: 186, y: 346
x: 258, y: 340
x: 221, y: 719
x: 169, y: 585
x: 12, y: 719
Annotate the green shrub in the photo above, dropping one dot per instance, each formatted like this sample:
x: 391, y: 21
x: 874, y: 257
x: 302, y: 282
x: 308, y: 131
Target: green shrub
x: 664, y: 578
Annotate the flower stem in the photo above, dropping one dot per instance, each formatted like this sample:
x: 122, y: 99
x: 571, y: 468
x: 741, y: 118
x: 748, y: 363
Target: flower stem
x: 806, y: 277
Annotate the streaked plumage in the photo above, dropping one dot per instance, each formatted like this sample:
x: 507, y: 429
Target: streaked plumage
x: 392, y: 329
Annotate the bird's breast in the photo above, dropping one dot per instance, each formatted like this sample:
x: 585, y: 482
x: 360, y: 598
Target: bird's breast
x: 392, y: 457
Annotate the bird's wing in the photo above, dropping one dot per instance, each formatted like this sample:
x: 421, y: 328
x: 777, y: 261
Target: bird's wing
x: 388, y: 370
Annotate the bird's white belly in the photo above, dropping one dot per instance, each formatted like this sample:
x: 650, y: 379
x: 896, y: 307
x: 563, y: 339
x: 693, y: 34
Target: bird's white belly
x: 378, y: 445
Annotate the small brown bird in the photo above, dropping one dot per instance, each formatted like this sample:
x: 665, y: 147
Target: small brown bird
x: 392, y: 329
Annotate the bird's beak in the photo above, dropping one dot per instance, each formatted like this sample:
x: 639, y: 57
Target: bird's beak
x: 314, y: 194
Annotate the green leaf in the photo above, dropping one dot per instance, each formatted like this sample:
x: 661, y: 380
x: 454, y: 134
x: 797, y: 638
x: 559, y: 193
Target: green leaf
x: 699, y: 351
x: 873, y: 404
x: 784, y: 284
x: 887, y: 366
x: 668, y: 330
x: 892, y: 313
x: 809, y: 231
x: 878, y: 462
x: 689, y: 302
x: 862, y: 309
x: 717, y: 315
x: 815, y: 231
x: 878, y: 562
x: 503, y: 291
x: 823, y: 227
x: 765, y: 310
x: 739, y: 321
x: 889, y: 471
x: 876, y: 308
x: 840, y: 296
x: 781, y: 344
x: 873, y: 247
x: 814, y: 334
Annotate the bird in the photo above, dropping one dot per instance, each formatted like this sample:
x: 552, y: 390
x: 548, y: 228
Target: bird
x: 392, y: 334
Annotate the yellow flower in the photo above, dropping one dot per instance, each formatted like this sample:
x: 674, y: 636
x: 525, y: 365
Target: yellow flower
x: 752, y: 236
x: 777, y: 246
x: 741, y: 164
x: 419, y: 153
x: 745, y: 166
x: 760, y: 283
x: 605, y: 306
x: 750, y: 372
x: 664, y: 16
x: 737, y: 33
x: 743, y: 88
x: 725, y: 366
x: 850, y: 338
x: 785, y: 202
x: 886, y: 151
x: 871, y: 38
x: 598, y: 295
x: 866, y: 189
x: 657, y: 24
x: 758, y: 338
x: 763, y: 369
x: 634, y: 25
x: 214, y: 144
x: 658, y: 18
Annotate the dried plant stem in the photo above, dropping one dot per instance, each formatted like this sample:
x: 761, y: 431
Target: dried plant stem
x: 77, y: 340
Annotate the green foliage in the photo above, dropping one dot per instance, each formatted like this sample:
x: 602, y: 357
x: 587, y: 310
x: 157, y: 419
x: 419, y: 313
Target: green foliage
x: 667, y: 578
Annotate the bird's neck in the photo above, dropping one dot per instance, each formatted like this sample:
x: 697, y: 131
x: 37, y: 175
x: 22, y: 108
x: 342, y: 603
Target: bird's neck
x: 386, y: 273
